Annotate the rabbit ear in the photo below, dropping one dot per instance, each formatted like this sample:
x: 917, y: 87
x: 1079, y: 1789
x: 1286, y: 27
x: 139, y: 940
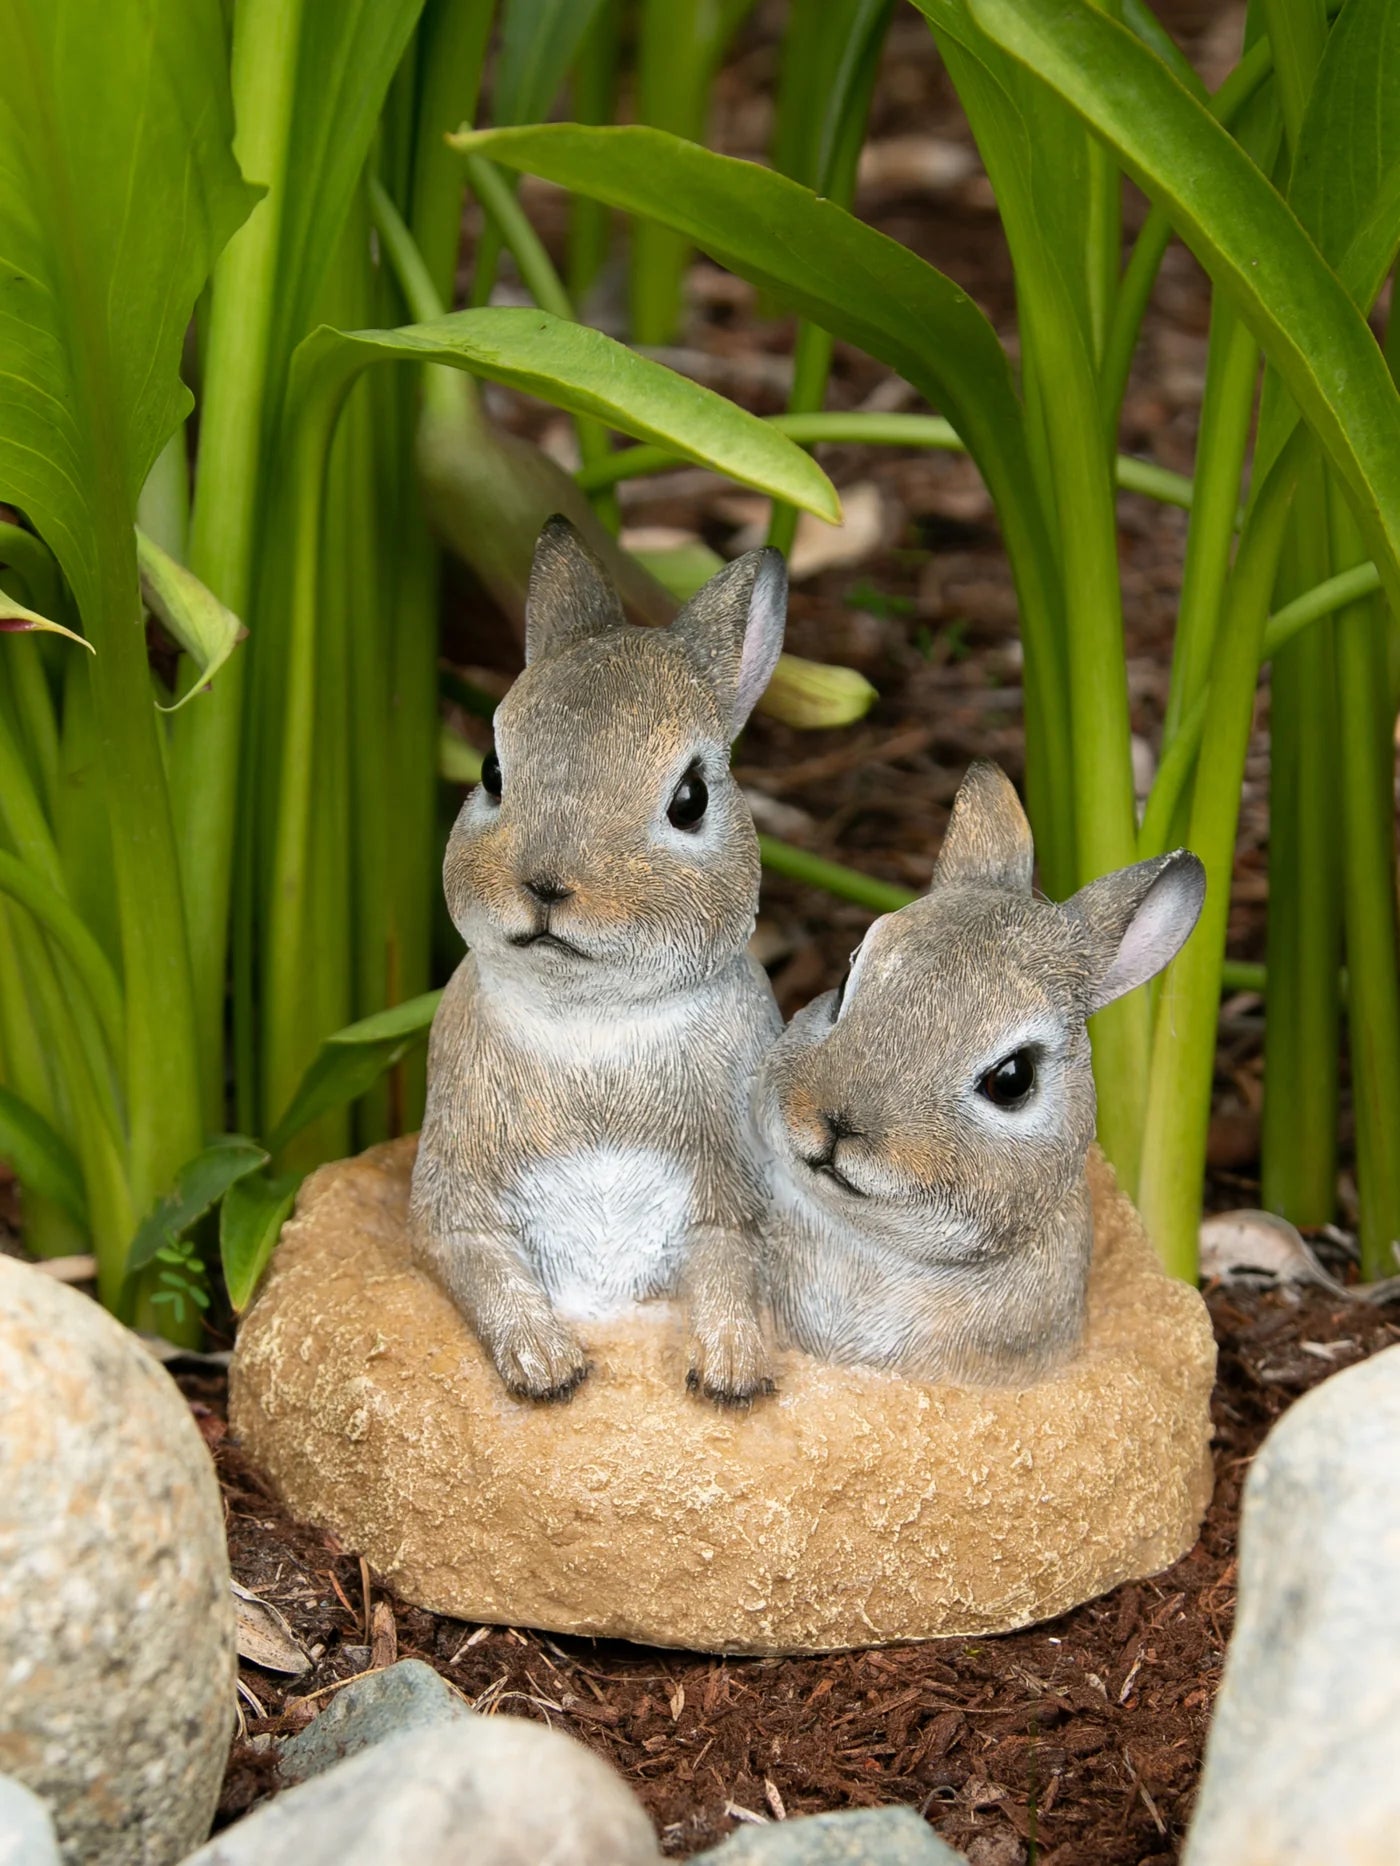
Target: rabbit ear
x: 988, y: 838
x: 732, y: 629
x: 570, y: 596
x: 1138, y: 919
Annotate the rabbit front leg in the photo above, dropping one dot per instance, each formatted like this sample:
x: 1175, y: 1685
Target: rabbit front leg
x: 728, y: 1353
x: 536, y: 1354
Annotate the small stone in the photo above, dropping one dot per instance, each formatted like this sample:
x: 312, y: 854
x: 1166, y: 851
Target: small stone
x: 116, y: 1624
x: 863, y: 1837
x: 852, y: 1507
x: 483, y: 1791
x: 1301, y: 1761
x: 407, y: 1696
x: 26, y: 1831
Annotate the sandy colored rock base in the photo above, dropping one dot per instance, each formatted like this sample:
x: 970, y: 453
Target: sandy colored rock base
x: 853, y: 1508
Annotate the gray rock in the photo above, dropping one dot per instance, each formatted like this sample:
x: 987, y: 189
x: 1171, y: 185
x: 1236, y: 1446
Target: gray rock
x: 26, y: 1832
x: 116, y: 1624
x: 403, y: 1697
x: 1303, y: 1761
x: 483, y: 1791
x: 863, y: 1837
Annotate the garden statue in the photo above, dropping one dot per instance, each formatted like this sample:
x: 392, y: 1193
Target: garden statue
x: 586, y: 1141
x: 614, y: 1116
x: 929, y: 1122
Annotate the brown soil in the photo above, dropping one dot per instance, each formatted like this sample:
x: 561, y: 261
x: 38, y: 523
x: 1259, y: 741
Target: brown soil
x: 1075, y: 1743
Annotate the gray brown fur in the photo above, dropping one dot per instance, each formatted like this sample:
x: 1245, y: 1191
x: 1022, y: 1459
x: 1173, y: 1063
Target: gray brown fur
x: 959, y: 1247
x: 585, y: 1142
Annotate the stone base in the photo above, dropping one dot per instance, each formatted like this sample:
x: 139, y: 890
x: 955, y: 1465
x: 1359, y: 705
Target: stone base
x: 852, y: 1509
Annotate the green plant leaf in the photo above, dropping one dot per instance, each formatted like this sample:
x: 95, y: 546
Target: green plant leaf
x: 1238, y: 227
x: 250, y: 1223
x: 353, y: 1060
x: 579, y: 369
x: 539, y: 42
x: 856, y: 283
x: 15, y: 619
x: 95, y: 294
x: 199, y: 1185
x: 38, y: 1158
x: 843, y: 275
x: 196, y: 618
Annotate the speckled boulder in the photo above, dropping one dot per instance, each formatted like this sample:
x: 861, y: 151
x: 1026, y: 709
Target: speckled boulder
x: 478, y: 1791
x: 116, y: 1623
x: 851, y: 1508
x: 1301, y: 1766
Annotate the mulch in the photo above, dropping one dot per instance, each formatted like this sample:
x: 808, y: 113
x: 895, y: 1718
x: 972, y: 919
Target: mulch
x: 1073, y: 1743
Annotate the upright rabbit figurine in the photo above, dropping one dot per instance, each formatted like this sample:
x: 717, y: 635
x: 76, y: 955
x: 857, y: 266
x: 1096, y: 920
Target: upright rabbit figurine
x: 930, y: 1120
x: 586, y: 1142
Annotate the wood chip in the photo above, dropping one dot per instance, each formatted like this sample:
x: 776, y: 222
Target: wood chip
x: 264, y: 1637
x: 384, y: 1637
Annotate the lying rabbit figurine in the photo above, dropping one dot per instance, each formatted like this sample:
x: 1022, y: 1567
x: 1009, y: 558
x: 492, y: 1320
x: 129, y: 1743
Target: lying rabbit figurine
x: 586, y: 1142
x: 929, y: 1121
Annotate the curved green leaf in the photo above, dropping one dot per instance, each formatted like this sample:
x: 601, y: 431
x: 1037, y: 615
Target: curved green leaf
x: 199, y: 622
x: 579, y: 369
x: 1239, y: 228
x: 250, y: 1223
x: 856, y: 283
x: 39, y: 1159
x: 353, y: 1060
x: 104, y: 113
x: 71, y: 934
x: 811, y: 254
x: 199, y: 1185
x: 15, y: 619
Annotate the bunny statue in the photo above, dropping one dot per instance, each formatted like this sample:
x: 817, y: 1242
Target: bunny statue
x: 586, y: 1141
x: 929, y: 1121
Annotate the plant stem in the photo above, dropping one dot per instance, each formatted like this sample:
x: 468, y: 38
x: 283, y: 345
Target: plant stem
x: 1183, y: 1050
x: 863, y: 430
x: 206, y: 737
x: 1367, y: 767
x: 1303, y: 1024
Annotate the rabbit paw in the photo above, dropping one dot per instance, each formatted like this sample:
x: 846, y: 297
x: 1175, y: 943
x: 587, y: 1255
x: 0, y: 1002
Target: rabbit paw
x: 543, y: 1361
x: 729, y: 1362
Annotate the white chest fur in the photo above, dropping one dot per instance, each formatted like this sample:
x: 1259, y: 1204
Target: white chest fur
x: 605, y: 1226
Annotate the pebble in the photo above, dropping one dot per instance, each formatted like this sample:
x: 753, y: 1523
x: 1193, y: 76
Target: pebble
x: 116, y: 1622
x: 403, y: 1697
x: 862, y: 1837
x: 26, y: 1832
x: 479, y: 1791
x: 1301, y: 1764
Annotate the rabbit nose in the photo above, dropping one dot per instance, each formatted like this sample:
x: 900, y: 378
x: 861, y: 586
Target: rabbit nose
x: 835, y: 1128
x: 839, y: 1127
x: 546, y: 890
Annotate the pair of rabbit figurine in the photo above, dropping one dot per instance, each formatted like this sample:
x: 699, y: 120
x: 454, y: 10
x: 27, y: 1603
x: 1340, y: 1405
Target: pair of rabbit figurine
x: 614, y: 1109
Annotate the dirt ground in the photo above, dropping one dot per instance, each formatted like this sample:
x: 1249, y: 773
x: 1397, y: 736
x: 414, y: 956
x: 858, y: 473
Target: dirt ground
x: 1074, y: 1743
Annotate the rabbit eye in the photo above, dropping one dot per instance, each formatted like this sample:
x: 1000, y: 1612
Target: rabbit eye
x: 491, y: 776
x: 690, y: 801
x: 1011, y: 1081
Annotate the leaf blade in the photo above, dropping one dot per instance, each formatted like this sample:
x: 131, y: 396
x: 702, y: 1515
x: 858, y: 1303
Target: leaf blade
x: 579, y: 369
x: 250, y: 1223
x: 352, y: 1061
x: 203, y: 627
x: 199, y: 1185
x: 39, y: 1158
x: 1239, y: 228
